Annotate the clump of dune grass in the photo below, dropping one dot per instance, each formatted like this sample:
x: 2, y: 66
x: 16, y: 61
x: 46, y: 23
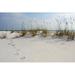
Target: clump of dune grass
x: 3, y: 37
x: 33, y: 32
x: 23, y: 33
x: 59, y: 33
x: 44, y: 33
x: 69, y: 34
x: 12, y: 31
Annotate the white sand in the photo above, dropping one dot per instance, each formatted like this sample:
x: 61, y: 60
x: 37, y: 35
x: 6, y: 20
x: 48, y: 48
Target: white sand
x: 36, y: 50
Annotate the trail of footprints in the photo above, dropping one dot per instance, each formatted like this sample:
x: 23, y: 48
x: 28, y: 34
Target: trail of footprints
x: 18, y: 51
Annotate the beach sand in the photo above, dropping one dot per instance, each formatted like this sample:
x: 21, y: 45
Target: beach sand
x: 36, y: 49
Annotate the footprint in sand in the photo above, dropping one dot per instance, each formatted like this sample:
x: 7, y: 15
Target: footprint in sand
x: 9, y: 43
x: 18, y: 49
x: 13, y: 45
x: 17, y: 53
x: 23, y: 58
x: 62, y: 43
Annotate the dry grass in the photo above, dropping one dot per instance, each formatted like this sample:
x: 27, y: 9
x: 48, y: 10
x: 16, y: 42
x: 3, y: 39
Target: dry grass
x: 23, y: 33
x: 70, y: 34
x: 33, y: 32
x: 44, y: 33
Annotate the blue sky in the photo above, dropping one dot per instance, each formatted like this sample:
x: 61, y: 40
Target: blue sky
x: 10, y: 20
x: 19, y: 21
